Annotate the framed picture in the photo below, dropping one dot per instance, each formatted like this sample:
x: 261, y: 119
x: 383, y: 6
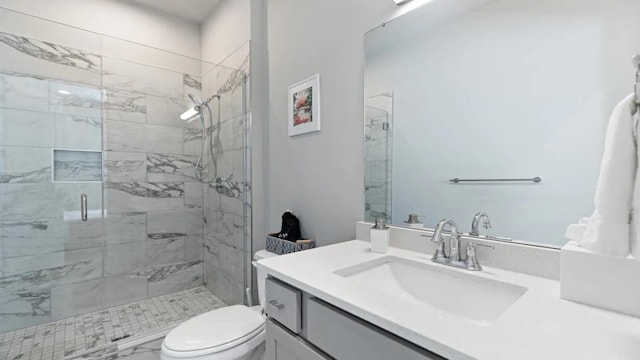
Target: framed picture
x: 304, y: 106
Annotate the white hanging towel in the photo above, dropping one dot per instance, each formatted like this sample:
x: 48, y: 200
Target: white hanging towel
x: 609, y: 231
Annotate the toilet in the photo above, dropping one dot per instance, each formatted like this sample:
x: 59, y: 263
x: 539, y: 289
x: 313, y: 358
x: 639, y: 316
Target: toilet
x: 231, y: 333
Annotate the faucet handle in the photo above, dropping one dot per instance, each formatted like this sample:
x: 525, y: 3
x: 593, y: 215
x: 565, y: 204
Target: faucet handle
x: 472, y: 260
x: 440, y: 256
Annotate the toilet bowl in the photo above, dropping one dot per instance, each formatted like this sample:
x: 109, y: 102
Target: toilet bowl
x: 232, y: 333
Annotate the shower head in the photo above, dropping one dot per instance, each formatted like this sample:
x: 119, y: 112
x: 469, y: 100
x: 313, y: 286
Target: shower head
x: 191, y: 114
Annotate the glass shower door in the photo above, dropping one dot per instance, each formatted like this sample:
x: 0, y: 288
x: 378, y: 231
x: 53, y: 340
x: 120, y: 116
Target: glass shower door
x: 50, y: 159
x: 378, y: 156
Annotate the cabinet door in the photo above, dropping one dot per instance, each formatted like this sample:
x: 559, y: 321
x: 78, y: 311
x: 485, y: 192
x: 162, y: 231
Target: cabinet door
x: 346, y: 337
x: 282, y: 345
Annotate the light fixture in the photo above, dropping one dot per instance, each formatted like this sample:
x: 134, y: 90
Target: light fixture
x: 190, y: 114
x: 64, y: 92
x: 401, y: 2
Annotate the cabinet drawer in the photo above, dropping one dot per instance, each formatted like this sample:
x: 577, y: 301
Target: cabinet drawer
x: 282, y: 345
x: 283, y: 304
x: 344, y: 337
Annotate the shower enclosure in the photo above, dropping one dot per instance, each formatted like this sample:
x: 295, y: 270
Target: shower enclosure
x: 87, y: 116
x: 378, y: 156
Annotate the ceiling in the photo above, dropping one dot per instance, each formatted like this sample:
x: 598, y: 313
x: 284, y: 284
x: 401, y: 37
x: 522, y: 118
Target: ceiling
x: 192, y: 10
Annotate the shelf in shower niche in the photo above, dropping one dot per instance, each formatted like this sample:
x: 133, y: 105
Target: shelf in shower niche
x: 76, y: 165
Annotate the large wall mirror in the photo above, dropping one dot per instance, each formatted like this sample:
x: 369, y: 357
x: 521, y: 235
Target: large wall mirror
x: 495, y: 90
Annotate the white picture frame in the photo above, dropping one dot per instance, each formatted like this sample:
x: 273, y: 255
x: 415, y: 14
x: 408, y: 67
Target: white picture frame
x: 304, y: 117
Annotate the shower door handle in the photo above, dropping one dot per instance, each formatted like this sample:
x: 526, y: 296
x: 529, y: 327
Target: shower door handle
x: 83, y: 207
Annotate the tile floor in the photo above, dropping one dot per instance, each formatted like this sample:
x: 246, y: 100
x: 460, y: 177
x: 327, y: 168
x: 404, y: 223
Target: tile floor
x: 94, y: 331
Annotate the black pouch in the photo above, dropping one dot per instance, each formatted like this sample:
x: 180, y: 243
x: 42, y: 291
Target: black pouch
x: 290, y: 229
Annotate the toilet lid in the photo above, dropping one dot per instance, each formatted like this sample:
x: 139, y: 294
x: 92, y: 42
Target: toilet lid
x: 217, y: 330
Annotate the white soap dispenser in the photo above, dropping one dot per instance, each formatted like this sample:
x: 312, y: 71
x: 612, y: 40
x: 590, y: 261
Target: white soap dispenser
x: 380, y: 237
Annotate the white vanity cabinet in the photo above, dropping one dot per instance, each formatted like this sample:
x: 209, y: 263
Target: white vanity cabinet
x: 303, y: 327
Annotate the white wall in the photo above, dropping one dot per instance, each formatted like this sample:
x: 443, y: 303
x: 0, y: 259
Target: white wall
x: 515, y: 89
x: 118, y: 19
x: 319, y: 175
x: 226, y: 29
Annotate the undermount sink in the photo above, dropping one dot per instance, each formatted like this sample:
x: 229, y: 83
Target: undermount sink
x: 473, y: 297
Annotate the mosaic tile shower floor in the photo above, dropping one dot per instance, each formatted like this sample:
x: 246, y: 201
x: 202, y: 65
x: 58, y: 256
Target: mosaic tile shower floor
x: 94, y: 331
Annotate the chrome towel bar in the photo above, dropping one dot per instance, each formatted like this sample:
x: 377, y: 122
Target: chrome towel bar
x: 536, y: 179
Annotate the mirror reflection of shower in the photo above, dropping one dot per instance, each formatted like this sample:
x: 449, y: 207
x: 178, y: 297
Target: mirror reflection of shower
x: 197, y: 112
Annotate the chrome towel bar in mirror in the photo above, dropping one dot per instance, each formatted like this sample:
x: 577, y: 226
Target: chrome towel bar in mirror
x: 536, y: 179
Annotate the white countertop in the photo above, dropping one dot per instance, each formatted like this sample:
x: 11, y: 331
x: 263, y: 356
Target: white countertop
x: 538, y: 326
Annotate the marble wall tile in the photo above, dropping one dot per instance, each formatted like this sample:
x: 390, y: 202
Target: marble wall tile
x: 163, y: 250
x: 74, y: 299
x: 125, y: 228
x: 173, y: 278
x: 125, y: 167
x: 71, y: 165
x: 124, y: 105
x: 227, y: 197
x: 193, y: 248
x: 24, y: 165
x: 129, y: 76
x: 64, y: 266
x: 376, y: 144
x: 21, y: 54
x: 78, y: 132
x: 192, y: 139
x: 228, y: 286
x: 379, y: 104
x: 165, y: 167
x: 19, y: 91
x: 132, y: 137
x: 232, y: 98
x: 75, y: 99
x: 225, y: 257
x: 192, y: 85
x: 40, y: 236
x: 193, y: 194
x: 125, y: 259
x: 28, y: 201
x: 143, y: 196
x: 84, y: 234
x: 376, y: 172
x: 23, y: 309
x: 142, y: 54
x: 26, y: 128
x: 167, y: 111
x: 224, y: 228
x: 49, y: 31
x: 232, y: 134
x: 69, y: 197
x: 229, y: 84
x: 231, y: 164
x: 376, y: 193
x: 175, y: 223
x: 124, y: 289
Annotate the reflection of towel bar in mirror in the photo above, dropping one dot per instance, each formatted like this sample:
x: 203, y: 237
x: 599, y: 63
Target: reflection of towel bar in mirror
x: 536, y: 179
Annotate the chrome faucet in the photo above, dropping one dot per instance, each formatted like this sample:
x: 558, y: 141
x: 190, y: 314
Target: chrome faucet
x: 454, y: 244
x: 486, y: 223
x: 470, y: 262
